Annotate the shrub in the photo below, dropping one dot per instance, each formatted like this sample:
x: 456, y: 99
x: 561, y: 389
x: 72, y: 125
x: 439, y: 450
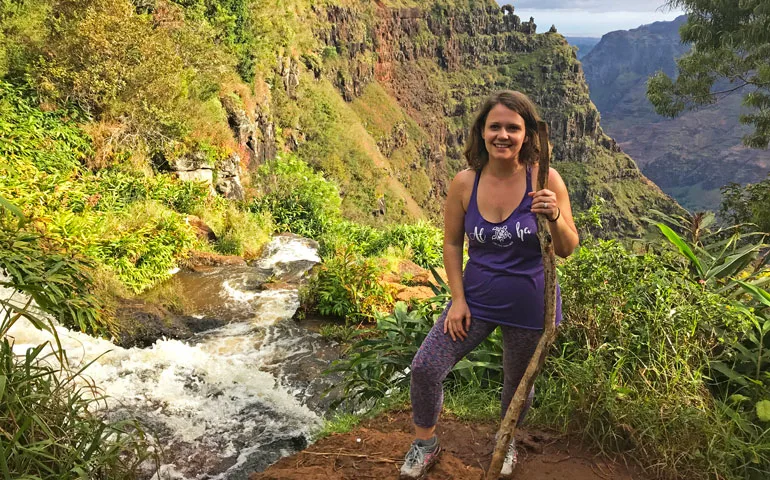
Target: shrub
x: 242, y: 232
x: 377, y: 365
x: 143, y: 79
x: 142, y: 244
x: 300, y: 200
x: 27, y: 134
x: 631, y: 361
x: 59, y: 283
x: 48, y: 428
x: 348, y: 287
x: 425, y: 240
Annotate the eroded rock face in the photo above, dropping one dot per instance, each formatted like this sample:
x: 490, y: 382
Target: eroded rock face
x: 255, y: 132
x: 228, y: 180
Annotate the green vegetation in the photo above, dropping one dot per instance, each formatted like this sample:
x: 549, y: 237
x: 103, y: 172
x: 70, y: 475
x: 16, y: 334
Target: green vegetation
x: 48, y: 428
x: 651, y: 361
x: 96, y: 96
x: 730, y: 44
x: 300, y: 200
x: 747, y: 204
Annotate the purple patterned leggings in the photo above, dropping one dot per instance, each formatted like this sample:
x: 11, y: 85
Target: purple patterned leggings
x: 438, y: 354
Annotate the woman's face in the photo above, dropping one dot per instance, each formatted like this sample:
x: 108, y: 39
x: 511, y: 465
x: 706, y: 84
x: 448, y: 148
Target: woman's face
x: 504, y: 133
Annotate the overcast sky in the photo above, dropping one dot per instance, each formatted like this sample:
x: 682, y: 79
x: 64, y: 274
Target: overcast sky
x: 591, y: 18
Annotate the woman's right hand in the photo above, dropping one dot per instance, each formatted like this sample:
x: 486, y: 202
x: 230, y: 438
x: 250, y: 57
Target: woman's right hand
x: 458, y: 320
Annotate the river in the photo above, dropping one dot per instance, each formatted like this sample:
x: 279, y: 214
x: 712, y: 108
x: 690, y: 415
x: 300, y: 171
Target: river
x: 231, y: 400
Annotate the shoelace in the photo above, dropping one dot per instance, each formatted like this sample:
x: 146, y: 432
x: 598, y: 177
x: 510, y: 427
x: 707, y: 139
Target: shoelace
x: 413, y: 455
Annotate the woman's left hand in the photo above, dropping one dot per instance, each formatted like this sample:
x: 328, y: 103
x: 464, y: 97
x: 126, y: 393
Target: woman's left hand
x: 544, y: 201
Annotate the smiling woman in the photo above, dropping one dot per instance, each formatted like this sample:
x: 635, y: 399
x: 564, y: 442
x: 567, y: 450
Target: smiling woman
x: 494, y: 205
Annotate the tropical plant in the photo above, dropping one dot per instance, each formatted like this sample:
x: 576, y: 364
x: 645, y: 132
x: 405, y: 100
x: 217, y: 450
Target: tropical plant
x: 59, y: 283
x: 718, y: 261
x: 425, y: 240
x: 48, y: 428
x: 743, y: 204
x: 300, y: 200
x: 348, y: 287
x: 744, y: 366
x: 378, y: 363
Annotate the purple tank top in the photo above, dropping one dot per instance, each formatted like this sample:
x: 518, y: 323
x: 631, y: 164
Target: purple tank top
x: 504, y: 279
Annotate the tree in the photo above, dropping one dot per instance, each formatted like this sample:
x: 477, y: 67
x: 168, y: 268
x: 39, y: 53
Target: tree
x: 747, y: 204
x: 731, y: 53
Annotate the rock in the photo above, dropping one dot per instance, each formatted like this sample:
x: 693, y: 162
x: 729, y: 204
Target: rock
x: 205, y: 176
x: 380, y: 210
x: 140, y: 324
x: 255, y: 137
x: 202, y: 231
x: 145, y: 6
x: 188, y: 163
x: 228, y: 179
x: 288, y: 69
x: 193, y: 167
x: 409, y: 273
x: 407, y: 294
x: 200, y: 261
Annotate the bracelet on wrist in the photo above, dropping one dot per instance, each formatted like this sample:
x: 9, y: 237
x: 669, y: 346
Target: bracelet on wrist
x: 558, y: 214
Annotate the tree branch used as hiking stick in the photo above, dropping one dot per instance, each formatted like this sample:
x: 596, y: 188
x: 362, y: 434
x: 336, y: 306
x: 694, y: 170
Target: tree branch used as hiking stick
x: 508, y: 425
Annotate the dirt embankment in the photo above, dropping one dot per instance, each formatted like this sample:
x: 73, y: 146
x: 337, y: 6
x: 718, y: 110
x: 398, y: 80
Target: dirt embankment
x: 376, y: 449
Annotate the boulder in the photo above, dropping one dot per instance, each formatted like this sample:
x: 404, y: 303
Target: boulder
x: 202, y: 231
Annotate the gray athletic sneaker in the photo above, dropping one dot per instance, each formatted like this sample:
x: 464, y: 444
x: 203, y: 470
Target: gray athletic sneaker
x: 418, y: 460
x: 511, y: 458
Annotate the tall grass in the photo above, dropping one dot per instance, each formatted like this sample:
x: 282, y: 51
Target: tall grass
x: 630, y: 371
x: 48, y: 428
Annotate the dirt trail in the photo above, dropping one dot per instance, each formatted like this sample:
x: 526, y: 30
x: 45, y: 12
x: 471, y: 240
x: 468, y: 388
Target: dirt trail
x: 376, y: 449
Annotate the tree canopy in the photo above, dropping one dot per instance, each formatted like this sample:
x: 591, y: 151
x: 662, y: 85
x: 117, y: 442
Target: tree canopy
x: 747, y: 204
x: 731, y: 54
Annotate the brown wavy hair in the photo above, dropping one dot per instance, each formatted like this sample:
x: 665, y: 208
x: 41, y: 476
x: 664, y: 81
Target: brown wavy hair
x: 476, y: 152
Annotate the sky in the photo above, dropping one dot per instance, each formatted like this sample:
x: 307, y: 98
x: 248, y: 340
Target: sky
x: 591, y: 18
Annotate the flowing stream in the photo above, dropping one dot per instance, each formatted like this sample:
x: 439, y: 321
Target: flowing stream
x: 231, y: 400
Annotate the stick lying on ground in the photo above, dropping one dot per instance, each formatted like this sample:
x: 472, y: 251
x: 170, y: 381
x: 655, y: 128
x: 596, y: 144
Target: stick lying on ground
x: 508, y: 426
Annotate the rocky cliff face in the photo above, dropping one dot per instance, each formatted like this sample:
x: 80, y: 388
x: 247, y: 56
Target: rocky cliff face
x: 689, y: 157
x: 437, y: 63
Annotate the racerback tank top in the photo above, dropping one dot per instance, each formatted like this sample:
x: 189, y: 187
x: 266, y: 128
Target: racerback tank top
x: 504, y: 277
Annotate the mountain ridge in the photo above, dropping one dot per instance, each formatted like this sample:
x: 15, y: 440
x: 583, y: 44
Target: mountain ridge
x: 690, y: 157
x: 439, y: 62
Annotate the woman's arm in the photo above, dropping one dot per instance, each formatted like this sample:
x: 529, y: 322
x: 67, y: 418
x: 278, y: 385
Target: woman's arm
x: 459, y: 317
x: 563, y: 230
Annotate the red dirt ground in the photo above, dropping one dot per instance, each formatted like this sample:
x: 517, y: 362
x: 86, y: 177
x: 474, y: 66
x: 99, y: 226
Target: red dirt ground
x: 376, y: 449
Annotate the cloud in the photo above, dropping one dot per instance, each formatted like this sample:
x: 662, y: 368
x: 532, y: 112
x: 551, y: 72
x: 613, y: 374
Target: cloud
x: 596, y: 6
x: 592, y: 18
x: 588, y: 24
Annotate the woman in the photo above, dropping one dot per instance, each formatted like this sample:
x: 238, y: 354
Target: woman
x: 494, y: 205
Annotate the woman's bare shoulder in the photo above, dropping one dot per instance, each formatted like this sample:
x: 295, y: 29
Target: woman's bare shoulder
x: 553, y: 175
x: 464, y: 179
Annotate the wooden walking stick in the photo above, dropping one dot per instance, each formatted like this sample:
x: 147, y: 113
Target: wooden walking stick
x: 508, y: 426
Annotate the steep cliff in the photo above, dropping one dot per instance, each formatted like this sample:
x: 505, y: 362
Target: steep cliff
x: 378, y: 95
x: 689, y: 157
x: 415, y: 75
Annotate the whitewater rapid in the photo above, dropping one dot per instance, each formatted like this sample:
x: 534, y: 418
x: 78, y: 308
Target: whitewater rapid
x: 219, y: 404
